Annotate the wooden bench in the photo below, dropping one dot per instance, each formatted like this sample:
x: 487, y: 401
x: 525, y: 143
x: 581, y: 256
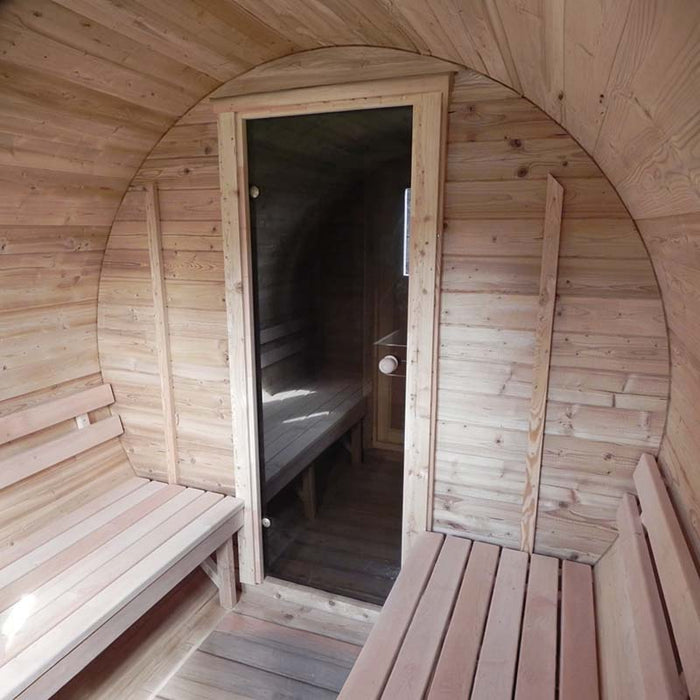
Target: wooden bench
x: 453, y: 627
x: 70, y: 589
x: 646, y: 579
x: 471, y: 620
x: 299, y: 424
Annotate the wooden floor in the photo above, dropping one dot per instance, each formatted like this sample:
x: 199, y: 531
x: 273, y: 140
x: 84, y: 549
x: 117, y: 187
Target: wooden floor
x: 353, y: 546
x: 282, y: 641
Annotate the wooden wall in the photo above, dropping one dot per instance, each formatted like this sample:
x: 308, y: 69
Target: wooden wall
x: 610, y: 359
x: 674, y: 245
x: 88, y: 87
x: 184, y: 163
x: 609, y: 382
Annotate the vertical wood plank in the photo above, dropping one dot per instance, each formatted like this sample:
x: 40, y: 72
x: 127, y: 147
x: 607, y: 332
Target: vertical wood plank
x: 226, y: 574
x: 537, y: 665
x: 414, y: 664
x: 578, y: 662
x: 454, y: 672
x: 160, y: 313
x: 543, y: 351
x: 241, y: 334
x: 495, y: 673
x: 675, y: 567
x: 426, y: 229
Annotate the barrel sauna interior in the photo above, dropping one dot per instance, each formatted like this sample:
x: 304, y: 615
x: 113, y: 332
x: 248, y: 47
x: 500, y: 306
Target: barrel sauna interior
x: 551, y: 349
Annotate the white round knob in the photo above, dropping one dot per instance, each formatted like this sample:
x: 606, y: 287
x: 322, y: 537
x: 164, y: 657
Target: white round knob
x: 388, y: 364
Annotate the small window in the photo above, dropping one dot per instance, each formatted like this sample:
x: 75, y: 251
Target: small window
x: 406, y: 228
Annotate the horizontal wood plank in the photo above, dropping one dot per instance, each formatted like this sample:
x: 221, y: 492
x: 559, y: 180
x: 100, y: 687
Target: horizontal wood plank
x: 24, y: 464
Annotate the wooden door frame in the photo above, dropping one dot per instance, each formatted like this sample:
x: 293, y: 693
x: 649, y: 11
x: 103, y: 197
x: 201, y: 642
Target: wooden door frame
x: 428, y: 96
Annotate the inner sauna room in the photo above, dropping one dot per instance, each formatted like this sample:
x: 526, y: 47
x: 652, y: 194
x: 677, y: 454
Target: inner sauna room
x: 350, y: 349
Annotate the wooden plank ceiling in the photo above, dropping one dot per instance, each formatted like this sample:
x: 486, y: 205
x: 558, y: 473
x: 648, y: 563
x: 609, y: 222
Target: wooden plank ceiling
x: 87, y: 87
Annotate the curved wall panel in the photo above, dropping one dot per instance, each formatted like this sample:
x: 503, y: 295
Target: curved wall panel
x: 609, y: 383
x: 88, y: 88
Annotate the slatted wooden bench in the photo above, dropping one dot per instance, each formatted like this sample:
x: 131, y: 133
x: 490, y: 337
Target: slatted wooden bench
x: 308, y: 420
x: 453, y: 626
x: 471, y: 620
x: 70, y: 589
x: 645, y: 580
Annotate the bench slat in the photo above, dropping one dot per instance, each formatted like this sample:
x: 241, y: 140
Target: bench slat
x: 369, y: 674
x: 578, y: 663
x: 105, y: 625
x: 414, y: 664
x: 278, y: 429
x: 679, y: 578
x: 62, y: 594
x: 495, y: 672
x: 60, y: 553
x: 30, y: 420
x: 23, y: 546
x: 98, y: 608
x: 657, y: 665
x: 454, y: 673
x: 36, y: 459
x: 100, y: 558
x: 303, y: 421
x: 537, y: 664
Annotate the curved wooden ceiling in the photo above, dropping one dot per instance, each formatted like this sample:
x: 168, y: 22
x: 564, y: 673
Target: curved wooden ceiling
x: 89, y: 86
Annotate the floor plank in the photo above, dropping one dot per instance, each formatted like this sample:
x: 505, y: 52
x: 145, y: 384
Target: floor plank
x: 303, y: 656
x: 208, y: 677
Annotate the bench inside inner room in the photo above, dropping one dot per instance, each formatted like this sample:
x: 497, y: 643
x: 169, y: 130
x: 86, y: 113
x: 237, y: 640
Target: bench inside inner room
x: 471, y: 620
x: 71, y: 588
x: 301, y: 420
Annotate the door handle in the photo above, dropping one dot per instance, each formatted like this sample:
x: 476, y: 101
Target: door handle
x: 388, y: 364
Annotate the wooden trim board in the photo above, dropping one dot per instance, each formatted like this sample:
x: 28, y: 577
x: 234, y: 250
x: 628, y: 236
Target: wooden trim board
x: 241, y: 343
x: 427, y: 95
x: 543, y: 352
x: 160, y: 313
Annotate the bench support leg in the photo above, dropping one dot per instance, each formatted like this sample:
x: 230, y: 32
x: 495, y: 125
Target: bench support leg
x: 308, y: 491
x: 356, y: 443
x: 226, y: 573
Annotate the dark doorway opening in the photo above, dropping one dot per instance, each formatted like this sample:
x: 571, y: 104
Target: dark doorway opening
x: 329, y: 212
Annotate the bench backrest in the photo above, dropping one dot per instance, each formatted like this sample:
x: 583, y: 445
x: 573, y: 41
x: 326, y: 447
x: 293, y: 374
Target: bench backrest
x: 677, y: 573
x: 25, y: 463
x: 646, y: 580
